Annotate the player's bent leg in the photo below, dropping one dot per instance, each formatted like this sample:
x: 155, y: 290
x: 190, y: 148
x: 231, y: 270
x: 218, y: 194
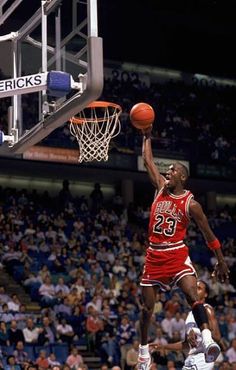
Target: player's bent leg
x: 188, y: 285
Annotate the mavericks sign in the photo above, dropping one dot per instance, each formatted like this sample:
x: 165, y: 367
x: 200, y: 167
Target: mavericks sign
x: 23, y: 85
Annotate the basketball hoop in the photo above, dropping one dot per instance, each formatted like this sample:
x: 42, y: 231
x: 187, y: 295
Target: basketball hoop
x: 94, y: 127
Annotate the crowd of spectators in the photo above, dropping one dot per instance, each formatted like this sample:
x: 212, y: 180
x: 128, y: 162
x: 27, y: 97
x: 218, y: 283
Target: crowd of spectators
x: 80, y: 259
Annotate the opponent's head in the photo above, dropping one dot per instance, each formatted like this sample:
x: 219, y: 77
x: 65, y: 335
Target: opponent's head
x: 202, y: 290
x: 176, y: 175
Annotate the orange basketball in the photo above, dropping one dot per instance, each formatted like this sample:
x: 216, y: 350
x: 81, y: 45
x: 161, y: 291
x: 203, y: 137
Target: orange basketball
x: 142, y: 115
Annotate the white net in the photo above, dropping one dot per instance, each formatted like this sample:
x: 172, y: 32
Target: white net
x: 93, y: 128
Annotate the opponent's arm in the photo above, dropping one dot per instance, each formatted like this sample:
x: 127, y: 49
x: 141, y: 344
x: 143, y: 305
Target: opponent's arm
x: 156, y: 178
x: 178, y: 346
x: 213, y: 243
x: 214, y: 327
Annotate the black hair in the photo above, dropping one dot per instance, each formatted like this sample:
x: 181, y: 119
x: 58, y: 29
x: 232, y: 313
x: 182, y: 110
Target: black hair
x: 9, y: 357
x: 207, y: 288
x: 184, y: 169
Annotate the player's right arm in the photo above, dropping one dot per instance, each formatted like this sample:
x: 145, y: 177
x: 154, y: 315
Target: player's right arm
x: 156, y: 178
x: 178, y: 346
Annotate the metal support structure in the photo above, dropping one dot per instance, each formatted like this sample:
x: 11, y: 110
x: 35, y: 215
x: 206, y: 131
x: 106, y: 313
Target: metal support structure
x: 35, y: 20
x: 58, y: 39
x: 89, y: 58
x: 45, y: 107
x: 9, y: 11
x: 16, y: 109
x: 74, y: 13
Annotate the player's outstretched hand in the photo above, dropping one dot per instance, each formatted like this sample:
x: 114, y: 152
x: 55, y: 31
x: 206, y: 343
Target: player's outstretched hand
x: 221, y: 271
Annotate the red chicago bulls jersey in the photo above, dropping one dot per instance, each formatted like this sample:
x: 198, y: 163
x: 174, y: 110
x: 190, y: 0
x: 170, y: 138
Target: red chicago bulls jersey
x: 169, y: 218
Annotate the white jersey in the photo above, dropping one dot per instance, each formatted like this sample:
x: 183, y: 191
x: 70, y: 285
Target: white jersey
x: 196, y: 358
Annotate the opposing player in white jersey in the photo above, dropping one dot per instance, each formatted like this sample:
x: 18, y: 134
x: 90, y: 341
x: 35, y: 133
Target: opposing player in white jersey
x: 193, y: 344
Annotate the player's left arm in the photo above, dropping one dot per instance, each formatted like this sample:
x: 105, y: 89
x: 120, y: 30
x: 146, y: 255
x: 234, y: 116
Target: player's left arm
x: 214, y: 327
x: 196, y: 211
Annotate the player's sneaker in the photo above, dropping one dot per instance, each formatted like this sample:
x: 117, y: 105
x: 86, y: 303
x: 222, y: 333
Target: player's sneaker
x: 212, y: 350
x: 144, y: 363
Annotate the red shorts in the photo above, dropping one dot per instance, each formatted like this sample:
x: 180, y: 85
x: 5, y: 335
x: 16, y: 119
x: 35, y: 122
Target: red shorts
x: 166, y: 267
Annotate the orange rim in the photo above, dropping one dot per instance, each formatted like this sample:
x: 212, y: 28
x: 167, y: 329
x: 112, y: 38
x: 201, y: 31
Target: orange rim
x: 96, y: 104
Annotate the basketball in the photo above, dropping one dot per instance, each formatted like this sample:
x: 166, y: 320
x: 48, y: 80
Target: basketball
x: 142, y: 115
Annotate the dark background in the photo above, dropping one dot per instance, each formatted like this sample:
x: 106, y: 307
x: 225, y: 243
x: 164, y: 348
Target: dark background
x: 195, y: 36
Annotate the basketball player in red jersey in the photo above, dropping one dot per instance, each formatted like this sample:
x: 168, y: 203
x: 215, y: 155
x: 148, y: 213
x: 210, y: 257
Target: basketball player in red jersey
x: 167, y: 262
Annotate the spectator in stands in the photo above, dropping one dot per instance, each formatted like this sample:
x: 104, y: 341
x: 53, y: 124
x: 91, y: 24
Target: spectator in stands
x: 104, y: 367
x: 51, y: 234
x: 31, y: 332
x: 177, y: 324
x: 32, y: 280
x: 48, y: 333
x: 65, y: 195
x: 14, y: 303
x: 132, y: 355
x: 63, y: 309
x: 11, y: 363
x: 231, y: 323
x: 108, y: 350
x: 61, y: 286
x: 73, y: 297
x: 42, y: 360
x: 52, y: 361
x: 173, y: 304
x: 95, y: 303
x: 96, y: 197
x: 74, y: 360
x: 231, y: 352
x: 47, y: 292
x: 44, y: 272
x: 6, y: 315
x: 77, y: 321
x: 4, y: 336
x: 166, y: 323
x: 79, y: 285
x: 223, y: 326
x: 66, y: 367
x: 160, y: 338
x: 124, y: 336
x: 11, y: 258
x: 171, y: 365
x: 94, y: 325
x: 14, y: 334
x: 4, y: 298
x: 21, y: 317
x: 21, y: 356
x: 158, y: 308
x: 64, y: 332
